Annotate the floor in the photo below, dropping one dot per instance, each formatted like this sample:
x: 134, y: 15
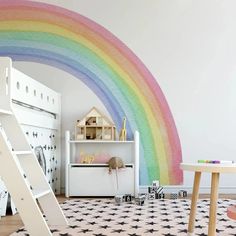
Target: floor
x: 10, y: 224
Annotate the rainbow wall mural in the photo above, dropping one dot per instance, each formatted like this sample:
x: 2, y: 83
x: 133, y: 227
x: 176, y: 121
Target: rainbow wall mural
x: 38, y: 32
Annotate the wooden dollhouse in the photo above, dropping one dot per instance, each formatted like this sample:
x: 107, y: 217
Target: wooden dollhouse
x: 95, y: 126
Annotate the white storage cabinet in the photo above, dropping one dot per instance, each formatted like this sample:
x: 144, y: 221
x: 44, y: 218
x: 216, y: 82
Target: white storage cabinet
x: 94, y: 179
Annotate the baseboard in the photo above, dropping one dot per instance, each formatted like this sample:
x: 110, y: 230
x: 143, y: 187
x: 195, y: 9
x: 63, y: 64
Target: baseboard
x: 176, y: 188
x: 202, y: 190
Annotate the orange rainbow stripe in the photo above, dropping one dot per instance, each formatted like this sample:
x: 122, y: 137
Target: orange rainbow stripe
x: 32, y: 31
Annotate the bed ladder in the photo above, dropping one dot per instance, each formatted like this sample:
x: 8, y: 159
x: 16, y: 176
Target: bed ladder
x: 20, y: 170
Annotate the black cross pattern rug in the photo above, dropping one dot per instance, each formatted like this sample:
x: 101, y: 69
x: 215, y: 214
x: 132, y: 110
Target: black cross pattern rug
x: 102, y: 217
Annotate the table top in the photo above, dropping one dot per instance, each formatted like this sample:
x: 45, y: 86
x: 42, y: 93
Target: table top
x: 207, y: 167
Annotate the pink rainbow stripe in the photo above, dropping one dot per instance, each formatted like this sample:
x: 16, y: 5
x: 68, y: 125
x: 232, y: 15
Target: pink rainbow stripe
x: 138, y: 80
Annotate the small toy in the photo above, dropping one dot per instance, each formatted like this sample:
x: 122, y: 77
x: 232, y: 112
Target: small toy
x: 173, y: 196
x: 119, y: 199
x: 122, y: 136
x: 93, y: 158
x: 140, y: 200
x: 216, y: 161
x: 102, y: 157
x: 159, y: 195
x: 151, y: 196
x: 152, y: 189
x: 145, y: 195
x: 86, y: 158
x: 115, y: 163
x: 155, y: 191
x: 127, y: 198
x: 182, y: 193
x: 95, y: 126
x: 156, y: 183
x: 159, y: 189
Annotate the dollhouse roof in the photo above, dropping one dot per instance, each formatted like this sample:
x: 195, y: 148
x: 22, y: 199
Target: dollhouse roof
x: 94, y: 112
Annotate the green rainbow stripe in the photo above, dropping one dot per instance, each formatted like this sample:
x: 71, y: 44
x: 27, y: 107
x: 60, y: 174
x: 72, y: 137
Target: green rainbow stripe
x: 31, y: 31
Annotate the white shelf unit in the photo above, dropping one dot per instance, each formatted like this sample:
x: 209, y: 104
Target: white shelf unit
x: 94, y: 179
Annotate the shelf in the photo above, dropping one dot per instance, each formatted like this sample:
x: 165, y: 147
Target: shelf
x: 94, y: 179
x: 95, y: 165
x: 95, y: 126
x: 100, y: 141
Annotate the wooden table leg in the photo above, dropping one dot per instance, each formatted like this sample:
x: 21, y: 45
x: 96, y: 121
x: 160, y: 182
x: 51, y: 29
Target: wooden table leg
x: 213, y: 204
x: 192, y: 216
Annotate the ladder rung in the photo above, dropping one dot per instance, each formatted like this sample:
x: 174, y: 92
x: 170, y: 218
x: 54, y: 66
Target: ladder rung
x: 40, y: 193
x: 5, y: 112
x: 22, y: 152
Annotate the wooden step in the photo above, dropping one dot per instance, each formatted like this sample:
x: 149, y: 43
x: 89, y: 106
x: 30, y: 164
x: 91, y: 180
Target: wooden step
x: 5, y: 112
x: 40, y: 193
x: 18, y: 153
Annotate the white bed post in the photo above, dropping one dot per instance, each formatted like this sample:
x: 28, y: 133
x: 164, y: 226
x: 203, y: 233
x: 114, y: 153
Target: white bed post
x: 5, y: 84
x: 136, y: 163
x: 67, y: 161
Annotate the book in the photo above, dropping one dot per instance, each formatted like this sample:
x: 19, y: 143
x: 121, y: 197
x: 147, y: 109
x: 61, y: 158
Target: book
x: 216, y: 161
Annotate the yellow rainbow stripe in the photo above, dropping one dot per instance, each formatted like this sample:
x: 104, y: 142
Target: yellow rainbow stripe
x: 31, y: 31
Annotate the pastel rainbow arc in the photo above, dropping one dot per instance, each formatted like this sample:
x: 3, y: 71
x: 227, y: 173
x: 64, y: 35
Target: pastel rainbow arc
x: 31, y: 31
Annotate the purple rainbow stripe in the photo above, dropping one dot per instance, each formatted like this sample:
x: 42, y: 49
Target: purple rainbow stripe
x: 32, y: 31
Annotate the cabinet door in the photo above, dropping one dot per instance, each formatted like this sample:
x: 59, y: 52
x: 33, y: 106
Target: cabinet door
x: 96, y: 181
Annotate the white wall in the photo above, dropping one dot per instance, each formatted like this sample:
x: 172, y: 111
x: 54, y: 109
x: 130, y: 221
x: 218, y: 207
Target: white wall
x: 189, y: 46
x: 77, y: 99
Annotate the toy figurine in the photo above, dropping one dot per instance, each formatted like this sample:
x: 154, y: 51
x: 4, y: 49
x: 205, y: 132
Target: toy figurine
x: 127, y: 197
x: 115, y: 163
x: 151, y: 196
x: 122, y: 136
x: 155, y: 183
x: 140, y: 200
x: 173, y: 196
x: 86, y: 159
x: 182, y: 193
x: 118, y: 199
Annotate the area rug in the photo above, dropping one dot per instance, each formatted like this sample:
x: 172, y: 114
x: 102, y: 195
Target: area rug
x: 102, y: 217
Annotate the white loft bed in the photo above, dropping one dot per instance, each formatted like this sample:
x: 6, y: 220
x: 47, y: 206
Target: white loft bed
x: 38, y: 110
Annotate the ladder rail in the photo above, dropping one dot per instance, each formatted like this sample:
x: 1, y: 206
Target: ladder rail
x: 22, y: 195
x: 19, y: 167
x: 15, y: 133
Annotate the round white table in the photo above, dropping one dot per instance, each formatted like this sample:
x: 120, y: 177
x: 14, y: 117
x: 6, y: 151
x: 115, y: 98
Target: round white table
x: 215, y: 170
